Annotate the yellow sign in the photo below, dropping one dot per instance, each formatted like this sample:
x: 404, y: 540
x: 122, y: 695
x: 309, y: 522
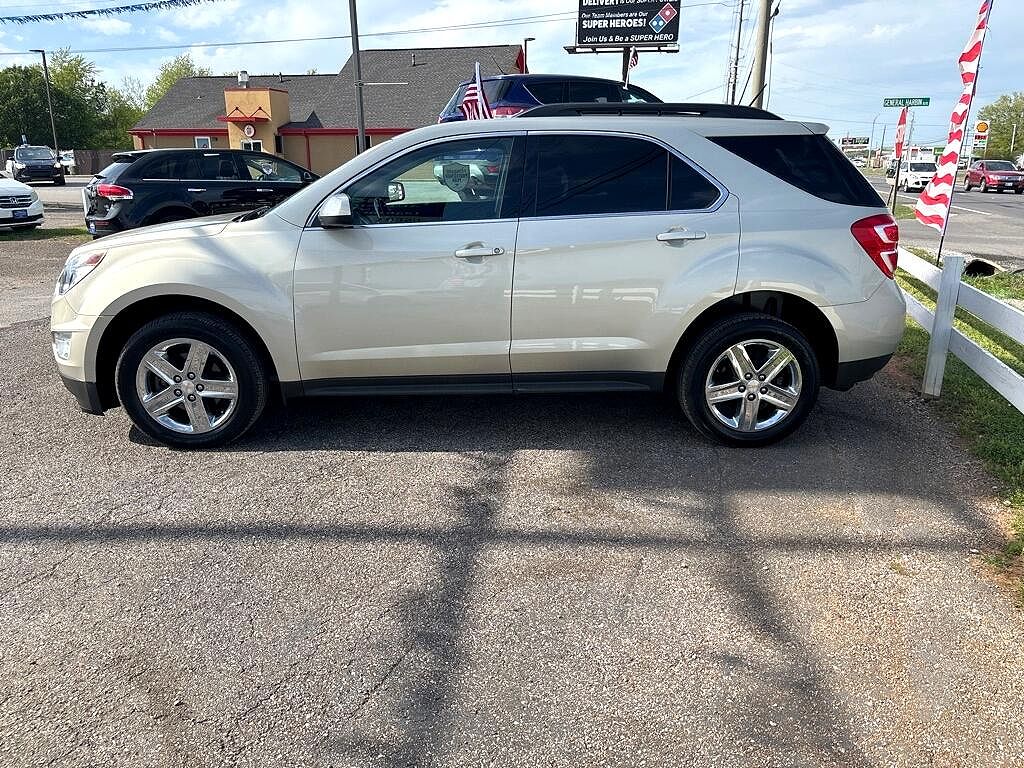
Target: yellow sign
x: 981, y: 127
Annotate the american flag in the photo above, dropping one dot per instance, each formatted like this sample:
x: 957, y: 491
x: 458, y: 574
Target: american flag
x: 932, y: 207
x: 474, y: 101
x: 634, y: 57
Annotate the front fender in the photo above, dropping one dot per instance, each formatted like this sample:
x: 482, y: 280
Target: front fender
x: 247, y: 270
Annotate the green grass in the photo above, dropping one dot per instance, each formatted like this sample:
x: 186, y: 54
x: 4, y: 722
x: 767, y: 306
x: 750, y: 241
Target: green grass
x: 903, y: 211
x: 44, y: 234
x: 992, y: 428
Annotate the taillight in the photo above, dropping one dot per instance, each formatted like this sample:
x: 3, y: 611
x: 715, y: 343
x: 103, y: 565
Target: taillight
x: 507, y: 111
x: 113, y: 192
x: 879, y: 236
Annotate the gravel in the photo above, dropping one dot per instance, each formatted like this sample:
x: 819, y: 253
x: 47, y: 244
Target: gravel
x: 530, y: 581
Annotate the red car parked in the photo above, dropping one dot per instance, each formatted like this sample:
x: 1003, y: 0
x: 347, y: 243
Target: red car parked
x: 994, y: 174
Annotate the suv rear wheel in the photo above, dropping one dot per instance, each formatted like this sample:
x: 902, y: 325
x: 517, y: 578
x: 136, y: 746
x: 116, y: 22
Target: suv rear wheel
x: 191, y: 381
x: 749, y: 380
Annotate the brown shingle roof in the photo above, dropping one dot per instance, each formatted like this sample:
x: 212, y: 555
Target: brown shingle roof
x: 328, y: 101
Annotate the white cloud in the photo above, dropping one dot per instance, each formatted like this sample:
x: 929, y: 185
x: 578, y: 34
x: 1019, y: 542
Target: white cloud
x: 107, y: 25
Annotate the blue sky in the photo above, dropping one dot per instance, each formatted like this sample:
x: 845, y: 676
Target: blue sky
x: 834, y: 60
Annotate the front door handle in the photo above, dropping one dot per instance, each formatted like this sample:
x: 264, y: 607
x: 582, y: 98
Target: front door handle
x: 476, y: 251
x: 674, y: 235
x: 197, y: 189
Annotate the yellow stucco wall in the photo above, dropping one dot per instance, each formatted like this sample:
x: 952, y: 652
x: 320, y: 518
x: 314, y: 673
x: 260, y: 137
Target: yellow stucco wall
x: 328, y: 152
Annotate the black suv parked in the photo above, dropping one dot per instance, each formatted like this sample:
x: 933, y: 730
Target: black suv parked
x: 29, y: 163
x: 510, y: 95
x: 159, y: 185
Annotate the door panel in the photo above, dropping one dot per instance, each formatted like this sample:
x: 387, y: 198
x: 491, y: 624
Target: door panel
x: 396, y: 301
x: 421, y: 285
x: 605, y: 295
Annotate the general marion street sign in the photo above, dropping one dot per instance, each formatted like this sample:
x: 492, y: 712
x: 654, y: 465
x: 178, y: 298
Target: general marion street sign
x: 921, y: 101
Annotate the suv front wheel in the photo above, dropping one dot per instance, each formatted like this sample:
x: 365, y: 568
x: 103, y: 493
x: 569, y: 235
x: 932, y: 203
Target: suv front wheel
x: 748, y: 380
x: 191, y: 380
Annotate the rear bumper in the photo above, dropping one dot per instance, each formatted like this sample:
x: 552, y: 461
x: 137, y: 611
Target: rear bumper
x: 848, y: 374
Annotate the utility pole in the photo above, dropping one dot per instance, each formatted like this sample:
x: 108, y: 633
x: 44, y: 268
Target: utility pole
x: 881, y: 148
x: 49, y: 101
x: 734, y: 67
x: 360, y: 116
x: 764, y: 21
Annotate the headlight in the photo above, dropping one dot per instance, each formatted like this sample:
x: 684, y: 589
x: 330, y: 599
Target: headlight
x: 76, y: 268
x: 56, y: 165
x: 19, y: 166
x: 35, y: 195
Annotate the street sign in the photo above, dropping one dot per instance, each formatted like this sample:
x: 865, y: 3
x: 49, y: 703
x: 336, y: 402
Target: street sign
x: 921, y: 101
x: 620, y: 23
x: 850, y: 142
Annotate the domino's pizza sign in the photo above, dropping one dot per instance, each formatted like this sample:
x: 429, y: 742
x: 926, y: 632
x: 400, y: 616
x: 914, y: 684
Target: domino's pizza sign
x: 620, y: 23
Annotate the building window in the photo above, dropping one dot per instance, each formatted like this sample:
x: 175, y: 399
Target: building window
x: 203, y: 142
x: 252, y: 145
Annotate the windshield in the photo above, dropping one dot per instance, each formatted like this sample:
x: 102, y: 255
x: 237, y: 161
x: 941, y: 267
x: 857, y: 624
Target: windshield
x: 34, y: 153
x: 999, y: 165
x: 922, y: 167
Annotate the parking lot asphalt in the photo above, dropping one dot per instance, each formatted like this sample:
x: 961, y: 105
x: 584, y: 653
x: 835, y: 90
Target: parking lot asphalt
x: 538, y: 581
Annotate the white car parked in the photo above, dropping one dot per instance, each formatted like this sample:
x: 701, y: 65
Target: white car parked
x: 20, y: 206
x: 605, y: 255
x: 914, y: 175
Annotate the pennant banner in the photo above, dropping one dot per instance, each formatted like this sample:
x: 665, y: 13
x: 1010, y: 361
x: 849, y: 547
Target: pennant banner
x: 157, y: 5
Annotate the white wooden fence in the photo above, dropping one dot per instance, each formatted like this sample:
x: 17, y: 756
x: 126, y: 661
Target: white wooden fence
x: 953, y: 292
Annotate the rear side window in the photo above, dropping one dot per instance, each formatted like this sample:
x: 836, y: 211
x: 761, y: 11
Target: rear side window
x: 547, y: 91
x: 580, y: 175
x: 688, y: 189
x: 114, y: 170
x: 587, y: 91
x: 809, y: 162
x: 170, y: 166
x: 214, y: 166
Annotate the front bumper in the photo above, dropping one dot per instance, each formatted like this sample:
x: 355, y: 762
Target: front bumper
x: 18, y: 217
x: 78, y: 369
x: 38, y: 174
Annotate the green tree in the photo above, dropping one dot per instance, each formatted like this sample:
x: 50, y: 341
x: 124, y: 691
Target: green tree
x: 1002, y: 114
x: 23, y: 110
x: 170, y: 73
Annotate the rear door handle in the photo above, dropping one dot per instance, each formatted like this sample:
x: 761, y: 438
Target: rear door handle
x: 263, y: 190
x: 478, y: 251
x: 197, y: 189
x: 674, y: 235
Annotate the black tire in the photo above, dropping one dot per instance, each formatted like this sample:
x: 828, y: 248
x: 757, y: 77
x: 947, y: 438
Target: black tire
x: 700, y: 364
x: 1018, y: 191
x: 984, y: 186
x: 967, y: 186
x: 59, y: 182
x: 168, y: 217
x: 229, y: 342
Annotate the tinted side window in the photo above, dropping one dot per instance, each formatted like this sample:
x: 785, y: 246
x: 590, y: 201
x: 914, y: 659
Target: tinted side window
x: 265, y: 168
x: 113, y: 170
x: 169, y: 166
x: 809, y: 162
x: 547, y: 92
x: 584, y: 174
x: 688, y: 189
x: 214, y: 166
x: 583, y: 90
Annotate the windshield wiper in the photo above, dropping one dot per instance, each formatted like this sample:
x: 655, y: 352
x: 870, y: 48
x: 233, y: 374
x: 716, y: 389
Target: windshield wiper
x: 250, y: 215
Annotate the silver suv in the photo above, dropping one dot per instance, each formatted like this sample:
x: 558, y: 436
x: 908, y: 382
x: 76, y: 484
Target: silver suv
x: 732, y: 259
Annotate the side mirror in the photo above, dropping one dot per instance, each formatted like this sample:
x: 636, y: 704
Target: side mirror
x: 396, y: 192
x: 336, y: 212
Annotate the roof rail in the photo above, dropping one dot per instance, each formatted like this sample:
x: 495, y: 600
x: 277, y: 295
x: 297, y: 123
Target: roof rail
x: 679, y: 110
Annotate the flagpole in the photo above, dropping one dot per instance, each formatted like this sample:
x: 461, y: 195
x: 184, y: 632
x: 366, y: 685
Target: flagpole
x: 967, y: 123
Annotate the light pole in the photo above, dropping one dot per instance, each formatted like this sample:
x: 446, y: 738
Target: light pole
x: 49, y: 100
x: 871, y: 141
x: 1013, y: 137
x: 526, y: 43
x: 360, y: 115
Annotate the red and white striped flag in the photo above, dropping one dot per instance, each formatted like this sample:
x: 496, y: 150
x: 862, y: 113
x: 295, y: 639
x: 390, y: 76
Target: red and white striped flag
x: 932, y: 207
x: 474, y: 101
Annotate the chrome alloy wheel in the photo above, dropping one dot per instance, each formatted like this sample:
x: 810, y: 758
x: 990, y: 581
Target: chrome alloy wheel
x: 753, y: 385
x: 187, y: 386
